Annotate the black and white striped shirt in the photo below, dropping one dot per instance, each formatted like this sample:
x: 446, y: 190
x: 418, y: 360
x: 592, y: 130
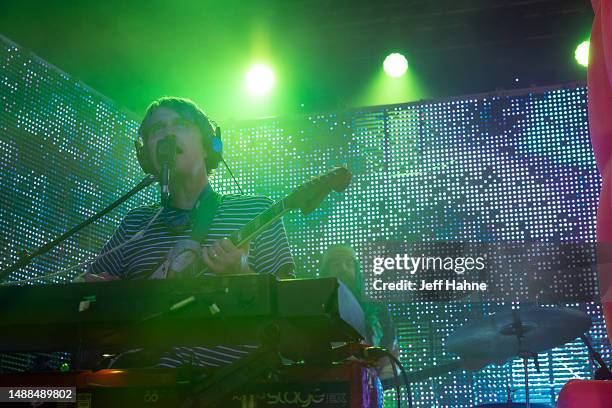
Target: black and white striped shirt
x: 269, y: 253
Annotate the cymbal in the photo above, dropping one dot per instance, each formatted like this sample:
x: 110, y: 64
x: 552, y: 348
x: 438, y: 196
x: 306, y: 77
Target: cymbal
x: 518, y: 332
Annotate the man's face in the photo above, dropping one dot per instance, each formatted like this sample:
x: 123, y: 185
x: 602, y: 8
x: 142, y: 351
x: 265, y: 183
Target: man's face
x: 342, y: 265
x: 190, y: 153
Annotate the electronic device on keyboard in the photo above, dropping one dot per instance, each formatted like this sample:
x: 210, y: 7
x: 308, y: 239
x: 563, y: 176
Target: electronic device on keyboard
x: 304, y: 314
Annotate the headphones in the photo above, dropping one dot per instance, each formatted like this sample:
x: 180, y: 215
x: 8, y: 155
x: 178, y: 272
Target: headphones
x: 211, y: 141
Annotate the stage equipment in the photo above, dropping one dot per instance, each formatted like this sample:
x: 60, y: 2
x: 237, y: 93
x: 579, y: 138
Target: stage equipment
x: 166, y: 157
x: 522, y: 332
x: 304, y: 314
x: 395, y: 65
x: 582, y: 53
x: 27, y: 257
x: 349, y: 384
x: 260, y: 79
x: 230, y: 309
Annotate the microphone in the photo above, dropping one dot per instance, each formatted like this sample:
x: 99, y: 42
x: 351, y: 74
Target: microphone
x: 166, y: 157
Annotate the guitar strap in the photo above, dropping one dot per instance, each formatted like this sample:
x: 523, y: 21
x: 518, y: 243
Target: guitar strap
x: 185, y: 256
x: 205, y: 211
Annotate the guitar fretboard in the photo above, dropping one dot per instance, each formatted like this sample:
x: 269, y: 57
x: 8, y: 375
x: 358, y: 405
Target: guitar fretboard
x: 257, y: 224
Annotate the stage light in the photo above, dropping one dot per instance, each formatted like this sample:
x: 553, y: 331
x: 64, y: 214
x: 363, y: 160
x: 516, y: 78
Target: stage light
x: 395, y: 65
x: 582, y: 53
x: 260, y: 79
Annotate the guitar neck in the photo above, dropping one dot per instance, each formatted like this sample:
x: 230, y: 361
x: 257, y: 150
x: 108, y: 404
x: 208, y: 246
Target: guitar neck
x: 258, y: 224
x: 306, y: 197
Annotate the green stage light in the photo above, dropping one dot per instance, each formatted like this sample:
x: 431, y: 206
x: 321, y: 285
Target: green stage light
x: 395, y: 65
x: 582, y: 53
x: 260, y: 79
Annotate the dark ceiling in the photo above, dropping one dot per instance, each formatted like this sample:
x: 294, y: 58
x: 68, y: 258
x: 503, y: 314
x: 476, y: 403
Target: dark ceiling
x: 325, y: 51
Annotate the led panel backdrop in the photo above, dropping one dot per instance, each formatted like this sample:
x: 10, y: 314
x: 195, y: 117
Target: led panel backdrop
x: 482, y: 169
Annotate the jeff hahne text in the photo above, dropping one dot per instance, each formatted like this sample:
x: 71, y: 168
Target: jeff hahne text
x: 411, y: 265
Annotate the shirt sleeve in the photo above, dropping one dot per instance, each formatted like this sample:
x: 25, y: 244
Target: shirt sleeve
x: 111, y: 260
x: 270, y: 251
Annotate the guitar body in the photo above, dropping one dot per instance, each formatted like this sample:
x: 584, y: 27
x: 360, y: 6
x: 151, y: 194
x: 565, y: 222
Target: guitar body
x: 585, y: 394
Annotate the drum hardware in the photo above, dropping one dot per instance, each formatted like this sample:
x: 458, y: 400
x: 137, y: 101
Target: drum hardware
x: 522, y: 333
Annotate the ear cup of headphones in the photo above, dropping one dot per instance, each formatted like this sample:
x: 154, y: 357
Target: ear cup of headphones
x: 216, y: 148
x: 217, y: 144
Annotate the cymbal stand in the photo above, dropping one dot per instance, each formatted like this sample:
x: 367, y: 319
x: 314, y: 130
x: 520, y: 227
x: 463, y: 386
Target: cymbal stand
x: 519, y: 330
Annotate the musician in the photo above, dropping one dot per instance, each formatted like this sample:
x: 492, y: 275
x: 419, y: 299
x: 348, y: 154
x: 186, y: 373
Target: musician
x: 145, y: 241
x: 340, y: 261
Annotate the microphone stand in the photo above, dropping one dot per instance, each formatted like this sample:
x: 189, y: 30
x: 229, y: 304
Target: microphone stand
x: 27, y: 257
x: 166, y: 156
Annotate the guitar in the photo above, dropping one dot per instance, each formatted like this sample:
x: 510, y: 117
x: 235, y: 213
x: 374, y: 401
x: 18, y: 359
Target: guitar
x: 185, y: 258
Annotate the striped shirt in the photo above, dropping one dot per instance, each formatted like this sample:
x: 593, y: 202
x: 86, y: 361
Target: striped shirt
x: 269, y: 253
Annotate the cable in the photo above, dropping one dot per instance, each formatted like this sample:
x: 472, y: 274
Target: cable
x: 232, y: 174
x: 398, y: 391
x: 380, y: 352
x: 404, y: 375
